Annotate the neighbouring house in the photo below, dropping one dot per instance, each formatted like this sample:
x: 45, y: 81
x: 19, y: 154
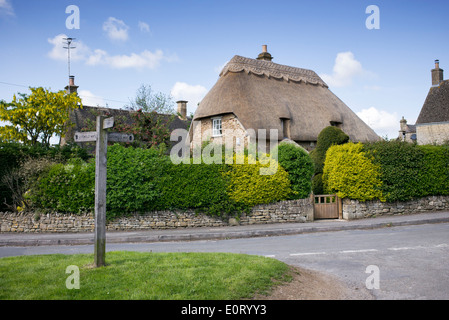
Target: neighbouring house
x: 82, y: 117
x: 432, y: 125
x: 255, y: 94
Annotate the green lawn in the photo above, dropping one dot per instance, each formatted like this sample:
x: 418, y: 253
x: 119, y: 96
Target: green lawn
x: 137, y: 275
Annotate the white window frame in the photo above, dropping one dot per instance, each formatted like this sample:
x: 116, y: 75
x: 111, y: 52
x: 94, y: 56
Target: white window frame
x: 217, y: 129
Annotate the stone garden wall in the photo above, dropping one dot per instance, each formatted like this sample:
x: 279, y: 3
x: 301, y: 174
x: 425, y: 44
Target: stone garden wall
x: 281, y: 212
x: 354, y: 209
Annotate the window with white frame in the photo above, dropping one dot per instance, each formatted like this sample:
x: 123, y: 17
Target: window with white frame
x: 216, y: 127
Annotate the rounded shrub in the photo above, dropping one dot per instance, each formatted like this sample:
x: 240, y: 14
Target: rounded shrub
x: 299, y: 166
x: 328, y: 137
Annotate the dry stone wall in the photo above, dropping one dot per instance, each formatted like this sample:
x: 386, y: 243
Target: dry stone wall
x: 280, y: 212
x: 354, y: 209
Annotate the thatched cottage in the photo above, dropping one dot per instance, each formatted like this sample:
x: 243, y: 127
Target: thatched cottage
x: 432, y: 125
x: 254, y: 94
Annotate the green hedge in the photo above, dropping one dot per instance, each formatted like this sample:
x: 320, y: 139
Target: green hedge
x: 142, y: 180
x: 351, y: 173
x: 406, y: 171
x: 247, y: 186
x: 65, y: 188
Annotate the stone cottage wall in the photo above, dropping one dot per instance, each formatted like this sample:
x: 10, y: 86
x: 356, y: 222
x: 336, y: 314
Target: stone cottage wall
x: 433, y: 133
x: 231, y: 127
x: 280, y: 212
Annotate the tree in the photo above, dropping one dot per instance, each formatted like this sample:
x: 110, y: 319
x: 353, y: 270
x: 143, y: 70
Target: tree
x: 149, y: 101
x: 37, y: 116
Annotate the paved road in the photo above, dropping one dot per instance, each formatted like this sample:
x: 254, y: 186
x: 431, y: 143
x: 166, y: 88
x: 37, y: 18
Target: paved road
x: 412, y: 261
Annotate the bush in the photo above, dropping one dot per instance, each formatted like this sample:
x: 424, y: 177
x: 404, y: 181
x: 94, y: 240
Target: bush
x: 328, y: 137
x: 12, y: 158
x: 65, y: 188
x: 299, y: 166
x: 249, y: 187
x: 350, y: 172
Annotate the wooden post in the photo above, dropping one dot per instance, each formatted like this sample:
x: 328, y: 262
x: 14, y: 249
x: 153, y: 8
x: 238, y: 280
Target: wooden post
x: 101, y: 138
x: 100, y: 193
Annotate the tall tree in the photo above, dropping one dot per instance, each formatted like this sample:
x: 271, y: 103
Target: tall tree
x: 148, y: 101
x: 37, y: 116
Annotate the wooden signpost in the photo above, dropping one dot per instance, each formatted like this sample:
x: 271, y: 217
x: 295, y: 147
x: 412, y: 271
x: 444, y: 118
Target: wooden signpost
x: 101, y: 138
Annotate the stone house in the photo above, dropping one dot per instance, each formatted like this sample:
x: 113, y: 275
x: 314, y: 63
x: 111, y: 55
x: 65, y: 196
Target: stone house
x: 432, y: 125
x: 254, y: 96
x: 81, y: 117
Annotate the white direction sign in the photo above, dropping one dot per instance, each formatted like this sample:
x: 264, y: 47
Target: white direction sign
x: 108, y: 123
x: 85, y: 136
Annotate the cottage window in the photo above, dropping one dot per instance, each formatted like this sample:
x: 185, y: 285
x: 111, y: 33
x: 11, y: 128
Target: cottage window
x: 216, y: 127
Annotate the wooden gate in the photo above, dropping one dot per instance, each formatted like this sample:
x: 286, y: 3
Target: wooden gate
x: 327, y: 207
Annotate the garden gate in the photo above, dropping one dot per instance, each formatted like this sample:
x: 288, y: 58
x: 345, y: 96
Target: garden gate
x: 327, y: 207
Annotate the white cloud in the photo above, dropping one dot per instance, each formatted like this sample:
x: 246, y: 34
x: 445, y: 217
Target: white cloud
x: 144, y: 27
x: 89, y: 99
x: 191, y: 93
x: 144, y: 60
x: 381, y: 121
x: 6, y: 8
x: 59, y: 53
x: 116, y: 29
x: 346, y: 68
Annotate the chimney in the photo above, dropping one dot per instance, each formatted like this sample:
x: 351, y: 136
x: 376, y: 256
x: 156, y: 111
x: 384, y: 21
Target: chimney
x: 264, y: 55
x: 437, y: 74
x: 182, y: 109
x: 71, y: 88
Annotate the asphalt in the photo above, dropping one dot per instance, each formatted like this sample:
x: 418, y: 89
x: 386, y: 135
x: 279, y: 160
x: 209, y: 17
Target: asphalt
x: 231, y: 232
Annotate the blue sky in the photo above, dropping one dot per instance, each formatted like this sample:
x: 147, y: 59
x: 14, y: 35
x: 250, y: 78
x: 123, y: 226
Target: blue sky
x: 178, y: 47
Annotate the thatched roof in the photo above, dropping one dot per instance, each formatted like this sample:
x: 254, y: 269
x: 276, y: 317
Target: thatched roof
x: 436, y: 106
x: 260, y: 93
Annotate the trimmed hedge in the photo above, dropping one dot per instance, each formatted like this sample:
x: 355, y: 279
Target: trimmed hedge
x: 406, y: 171
x: 142, y: 180
x: 247, y: 186
x: 351, y: 173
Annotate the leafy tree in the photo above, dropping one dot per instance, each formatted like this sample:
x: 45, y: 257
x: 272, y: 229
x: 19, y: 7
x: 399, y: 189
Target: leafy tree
x: 148, y: 101
x: 36, y: 116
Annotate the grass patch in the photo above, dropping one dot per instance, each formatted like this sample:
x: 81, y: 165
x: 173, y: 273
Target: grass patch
x: 141, y: 276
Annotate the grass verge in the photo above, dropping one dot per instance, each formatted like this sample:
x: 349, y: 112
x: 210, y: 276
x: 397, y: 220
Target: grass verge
x: 141, y: 276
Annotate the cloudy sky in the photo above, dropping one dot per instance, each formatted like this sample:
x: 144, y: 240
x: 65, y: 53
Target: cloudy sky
x: 378, y: 64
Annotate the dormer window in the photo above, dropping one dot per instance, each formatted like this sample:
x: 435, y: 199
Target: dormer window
x: 336, y: 124
x: 285, y: 128
x: 216, y: 127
